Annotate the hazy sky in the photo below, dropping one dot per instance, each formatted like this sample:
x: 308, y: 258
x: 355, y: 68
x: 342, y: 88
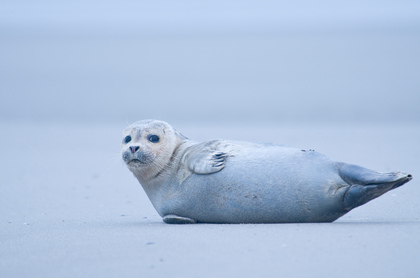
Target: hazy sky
x: 215, y: 60
x: 129, y: 16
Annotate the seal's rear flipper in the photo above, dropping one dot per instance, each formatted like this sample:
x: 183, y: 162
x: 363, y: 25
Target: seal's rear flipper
x: 175, y: 219
x: 366, y: 185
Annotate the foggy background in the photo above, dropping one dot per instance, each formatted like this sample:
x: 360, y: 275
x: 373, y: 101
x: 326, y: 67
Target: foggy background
x: 339, y: 77
x: 218, y: 61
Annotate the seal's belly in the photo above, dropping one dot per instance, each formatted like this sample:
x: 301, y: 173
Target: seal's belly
x: 254, y: 189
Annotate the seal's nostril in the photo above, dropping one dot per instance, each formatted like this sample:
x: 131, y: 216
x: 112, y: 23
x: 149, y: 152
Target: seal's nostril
x: 133, y: 149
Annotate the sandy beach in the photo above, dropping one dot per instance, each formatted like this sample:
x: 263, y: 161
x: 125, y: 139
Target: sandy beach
x: 70, y: 208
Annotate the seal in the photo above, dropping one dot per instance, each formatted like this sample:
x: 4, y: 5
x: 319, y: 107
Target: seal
x: 223, y: 181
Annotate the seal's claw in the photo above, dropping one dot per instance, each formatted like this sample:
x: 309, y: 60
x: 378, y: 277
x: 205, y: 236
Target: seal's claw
x: 219, y: 159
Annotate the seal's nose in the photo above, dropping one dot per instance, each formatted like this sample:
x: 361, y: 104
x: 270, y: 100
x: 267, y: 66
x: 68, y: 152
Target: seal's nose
x: 133, y: 149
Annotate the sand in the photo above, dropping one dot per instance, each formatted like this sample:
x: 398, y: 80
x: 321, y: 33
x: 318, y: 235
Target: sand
x: 70, y: 208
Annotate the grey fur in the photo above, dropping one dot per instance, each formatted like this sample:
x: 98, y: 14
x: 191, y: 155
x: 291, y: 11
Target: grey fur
x: 223, y: 181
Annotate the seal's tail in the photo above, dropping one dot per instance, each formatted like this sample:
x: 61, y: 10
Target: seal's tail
x: 366, y: 185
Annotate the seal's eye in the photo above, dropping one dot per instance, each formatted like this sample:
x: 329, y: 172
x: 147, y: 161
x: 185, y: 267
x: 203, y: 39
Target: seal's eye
x: 153, y: 138
x: 127, y: 139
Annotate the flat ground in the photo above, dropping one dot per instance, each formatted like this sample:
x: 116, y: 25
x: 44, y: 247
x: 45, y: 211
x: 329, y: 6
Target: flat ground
x: 70, y: 208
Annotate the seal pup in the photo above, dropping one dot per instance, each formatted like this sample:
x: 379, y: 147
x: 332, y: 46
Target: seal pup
x: 224, y: 181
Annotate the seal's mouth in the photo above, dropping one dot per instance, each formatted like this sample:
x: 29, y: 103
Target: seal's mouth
x: 135, y: 161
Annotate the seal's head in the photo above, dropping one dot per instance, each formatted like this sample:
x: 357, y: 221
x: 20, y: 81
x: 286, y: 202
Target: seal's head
x: 148, y: 146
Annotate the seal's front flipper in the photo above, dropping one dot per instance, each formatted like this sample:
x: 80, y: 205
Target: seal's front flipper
x: 205, y: 161
x: 175, y: 219
x: 366, y: 185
